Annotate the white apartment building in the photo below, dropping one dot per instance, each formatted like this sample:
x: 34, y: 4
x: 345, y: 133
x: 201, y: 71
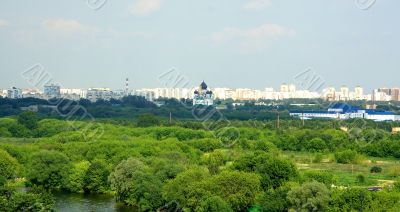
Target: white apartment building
x: 14, y: 93
x: 94, y: 94
x: 73, y: 93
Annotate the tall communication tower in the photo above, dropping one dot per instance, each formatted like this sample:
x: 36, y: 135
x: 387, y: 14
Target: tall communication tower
x: 126, y: 87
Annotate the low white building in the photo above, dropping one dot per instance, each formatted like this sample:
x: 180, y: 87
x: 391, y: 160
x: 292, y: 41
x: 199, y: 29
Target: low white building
x: 342, y: 112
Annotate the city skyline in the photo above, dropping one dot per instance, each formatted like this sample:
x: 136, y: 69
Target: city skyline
x: 205, y: 94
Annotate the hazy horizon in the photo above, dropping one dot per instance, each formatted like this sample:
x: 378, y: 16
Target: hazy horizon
x: 241, y: 44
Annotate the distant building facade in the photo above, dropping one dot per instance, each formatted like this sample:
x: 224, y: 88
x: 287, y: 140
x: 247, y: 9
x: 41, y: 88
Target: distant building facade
x: 52, y: 91
x: 94, y: 94
x: 342, y: 111
x: 14, y: 93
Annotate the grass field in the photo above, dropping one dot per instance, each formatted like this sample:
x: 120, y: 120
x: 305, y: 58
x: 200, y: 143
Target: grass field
x: 346, y: 174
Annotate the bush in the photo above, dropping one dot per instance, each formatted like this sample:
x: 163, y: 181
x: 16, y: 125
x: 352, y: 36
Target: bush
x: 311, y: 196
x: 318, y: 158
x: 376, y: 169
x: 346, y: 156
x: 360, y: 179
x: 147, y: 120
x: 324, y: 177
x: 49, y: 169
x: 8, y: 166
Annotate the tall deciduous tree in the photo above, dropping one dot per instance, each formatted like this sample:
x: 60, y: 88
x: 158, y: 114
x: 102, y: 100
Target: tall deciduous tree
x: 49, y: 169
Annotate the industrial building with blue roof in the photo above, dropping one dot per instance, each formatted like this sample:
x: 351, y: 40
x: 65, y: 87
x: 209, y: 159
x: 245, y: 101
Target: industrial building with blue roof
x: 344, y: 111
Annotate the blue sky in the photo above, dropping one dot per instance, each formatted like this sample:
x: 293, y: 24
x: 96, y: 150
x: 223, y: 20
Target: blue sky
x: 227, y: 43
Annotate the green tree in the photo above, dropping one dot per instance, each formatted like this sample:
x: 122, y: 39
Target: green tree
x: 312, y: 196
x: 351, y: 199
x: 4, y: 133
x: 49, y: 169
x: 275, y: 200
x: 181, y: 188
x: 315, y: 145
x: 35, y: 199
x: 346, y: 156
x: 147, y: 120
x: 96, y: 178
x: 19, y: 131
x: 77, y: 176
x: 8, y: 166
x: 136, y: 186
x: 214, y: 204
x: 213, y: 161
x: 273, y: 171
x: 28, y: 119
x: 239, y: 189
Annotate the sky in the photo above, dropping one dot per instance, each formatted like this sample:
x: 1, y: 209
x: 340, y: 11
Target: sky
x: 227, y: 43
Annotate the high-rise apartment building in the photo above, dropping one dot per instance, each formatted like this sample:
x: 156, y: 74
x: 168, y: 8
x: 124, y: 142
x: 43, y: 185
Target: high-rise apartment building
x: 14, y: 93
x: 52, y: 91
x: 395, y: 94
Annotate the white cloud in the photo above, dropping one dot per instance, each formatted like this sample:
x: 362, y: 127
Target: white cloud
x: 252, y: 38
x: 145, y: 7
x: 3, y: 23
x: 256, y: 4
x: 62, y: 25
x: 63, y: 28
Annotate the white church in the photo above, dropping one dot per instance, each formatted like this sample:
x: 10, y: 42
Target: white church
x: 203, y: 96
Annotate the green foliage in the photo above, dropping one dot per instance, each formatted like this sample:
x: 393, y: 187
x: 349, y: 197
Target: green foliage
x: 213, y: 161
x: 360, y: 179
x: 352, y: 199
x: 76, y: 178
x: 324, y: 177
x: 8, y: 166
x: 123, y: 176
x: 147, y: 120
x: 376, y: 169
x: 181, y: 187
x: 205, y: 144
x: 237, y: 188
x: 135, y: 185
x: 185, y: 167
x: 4, y: 133
x: 28, y: 119
x: 315, y: 145
x: 96, y: 178
x: 193, y: 187
x: 274, y: 200
x: 317, y: 158
x: 36, y: 199
x: 49, y: 169
x: 19, y: 131
x: 346, y: 156
x: 273, y: 171
x: 214, y: 204
x: 312, y: 196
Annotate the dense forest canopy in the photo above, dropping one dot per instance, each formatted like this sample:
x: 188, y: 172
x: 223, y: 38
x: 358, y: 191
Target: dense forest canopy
x: 153, y: 164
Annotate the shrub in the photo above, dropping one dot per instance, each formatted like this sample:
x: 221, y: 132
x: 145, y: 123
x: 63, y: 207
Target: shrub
x: 8, y: 166
x: 324, y: 177
x: 318, y: 158
x: 376, y: 169
x: 360, y: 179
x: 346, y: 156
